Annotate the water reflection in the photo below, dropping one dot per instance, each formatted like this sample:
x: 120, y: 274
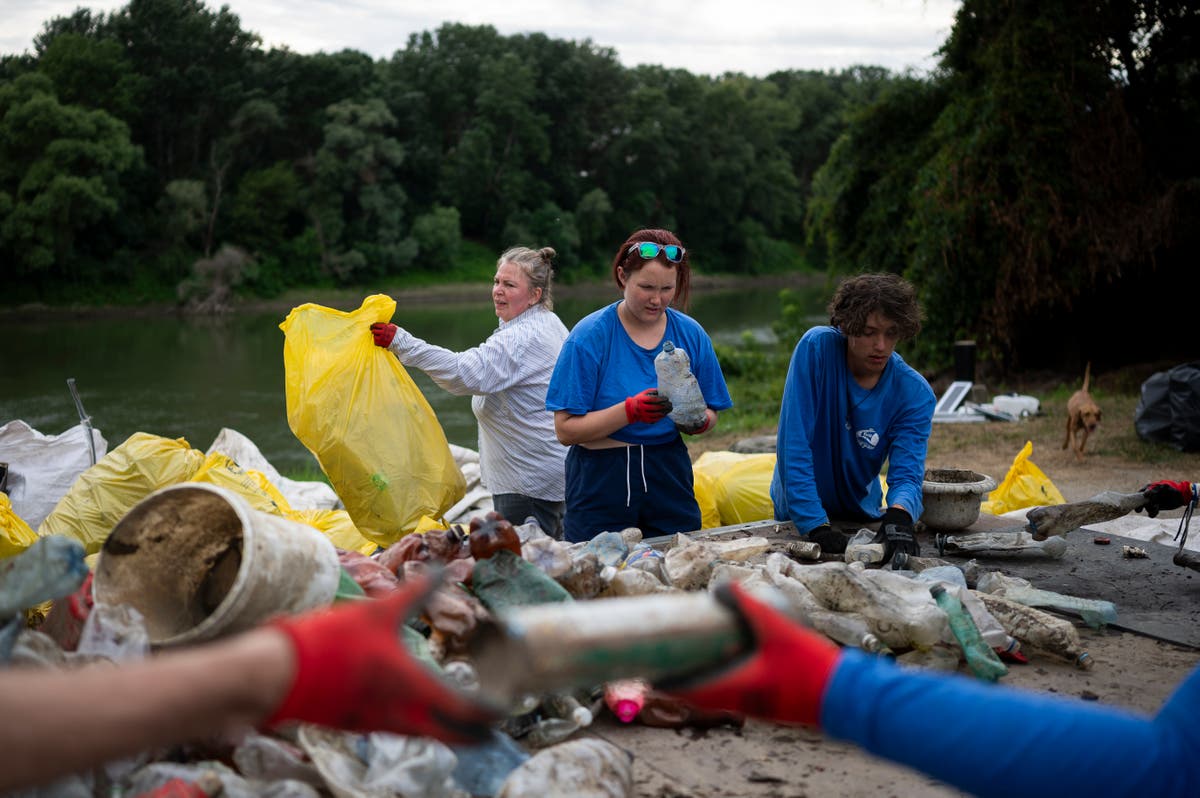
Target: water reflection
x: 181, y: 377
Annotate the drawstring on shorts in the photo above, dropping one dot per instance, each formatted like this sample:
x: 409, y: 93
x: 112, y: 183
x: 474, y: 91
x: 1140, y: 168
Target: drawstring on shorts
x: 645, y: 487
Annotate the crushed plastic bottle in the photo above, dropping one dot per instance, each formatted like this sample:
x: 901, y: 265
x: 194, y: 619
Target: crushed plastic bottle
x: 1095, y: 612
x: 803, y: 550
x: 589, y: 766
x: 51, y: 568
x: 1037, y: 628
x: 677, y: 383
x: 1001, y: 544
x: 506, y: 580
x: 481, y: 769
x: 907, y: 562
x: 861, y: 549
x: 981, y: 659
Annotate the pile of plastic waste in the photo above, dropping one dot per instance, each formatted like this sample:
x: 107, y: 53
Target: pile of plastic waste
x: 929, y: 612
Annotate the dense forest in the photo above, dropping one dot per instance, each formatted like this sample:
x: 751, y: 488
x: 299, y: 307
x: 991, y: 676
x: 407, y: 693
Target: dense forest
x: 1041, y: 187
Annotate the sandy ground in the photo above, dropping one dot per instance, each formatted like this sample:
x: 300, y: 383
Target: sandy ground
x: 769, y: 760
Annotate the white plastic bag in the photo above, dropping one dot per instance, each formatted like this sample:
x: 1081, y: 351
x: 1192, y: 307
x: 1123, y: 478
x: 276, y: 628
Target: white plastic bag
x: 42, y: 468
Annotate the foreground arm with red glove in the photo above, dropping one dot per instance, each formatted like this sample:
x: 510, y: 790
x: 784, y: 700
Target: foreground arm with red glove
x: 344, y: 667
x: 1021, y: 743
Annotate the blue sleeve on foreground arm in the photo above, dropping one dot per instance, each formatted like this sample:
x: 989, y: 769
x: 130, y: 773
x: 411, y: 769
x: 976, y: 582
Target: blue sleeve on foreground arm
x: 997, y: 741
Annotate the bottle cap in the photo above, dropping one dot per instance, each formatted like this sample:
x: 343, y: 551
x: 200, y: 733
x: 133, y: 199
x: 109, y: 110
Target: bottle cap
x: 626, y: 709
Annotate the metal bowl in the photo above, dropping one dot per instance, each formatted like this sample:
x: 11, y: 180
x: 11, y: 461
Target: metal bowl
x: 952, y: 497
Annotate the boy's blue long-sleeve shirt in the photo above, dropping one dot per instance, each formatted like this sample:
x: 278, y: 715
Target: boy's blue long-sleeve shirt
x: 995, y: 741
x: 834, y: 436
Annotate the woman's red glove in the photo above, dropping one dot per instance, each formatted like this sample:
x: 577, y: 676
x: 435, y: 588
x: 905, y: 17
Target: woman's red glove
x: 383, y: 332
x: 782, y: 679
x: 646, y: 407
x: 353, y: 672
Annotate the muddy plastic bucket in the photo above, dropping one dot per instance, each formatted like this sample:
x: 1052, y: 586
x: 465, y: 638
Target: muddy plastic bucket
x: 198, y: 562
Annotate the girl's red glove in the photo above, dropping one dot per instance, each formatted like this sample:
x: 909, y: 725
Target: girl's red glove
x: 353, y: 672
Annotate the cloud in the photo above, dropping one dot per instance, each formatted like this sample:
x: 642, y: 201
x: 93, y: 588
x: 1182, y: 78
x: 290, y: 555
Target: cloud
x: 703, y: 36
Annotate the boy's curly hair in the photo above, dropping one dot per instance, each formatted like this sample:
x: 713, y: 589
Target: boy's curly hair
x: 892, y: 296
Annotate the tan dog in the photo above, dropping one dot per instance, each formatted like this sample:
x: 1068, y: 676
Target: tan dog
x: 1083, y: 416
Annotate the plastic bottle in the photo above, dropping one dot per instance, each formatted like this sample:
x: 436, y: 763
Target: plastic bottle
x: 982, y: 661
x: 565, y: 705
x: 492, y: 534
x: 505, y: 580
x: 51, y: 568
x: 677, y: 383
x: 481, y: 769
x: 1001, y: 544
x: 1095, y: 612
x: 861, y: 549
x: 589, y: 766
x: 1037, y: 628
x: 903, y: 562
x: 803, y: 550
x: 626, y: 698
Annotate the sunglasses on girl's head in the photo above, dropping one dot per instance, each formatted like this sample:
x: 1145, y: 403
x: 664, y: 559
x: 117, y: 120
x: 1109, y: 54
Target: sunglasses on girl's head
x: 649, y: 251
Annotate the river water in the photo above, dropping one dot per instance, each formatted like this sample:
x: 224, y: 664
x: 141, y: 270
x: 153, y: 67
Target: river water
x: 182, y: 377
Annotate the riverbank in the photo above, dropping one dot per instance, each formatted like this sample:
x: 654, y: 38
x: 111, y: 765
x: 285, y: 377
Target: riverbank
x: 349, y: 298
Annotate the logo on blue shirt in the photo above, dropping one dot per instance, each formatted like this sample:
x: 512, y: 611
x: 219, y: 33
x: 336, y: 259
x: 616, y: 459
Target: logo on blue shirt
x: 867, y: 438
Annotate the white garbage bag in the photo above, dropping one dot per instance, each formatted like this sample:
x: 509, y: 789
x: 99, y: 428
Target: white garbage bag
x: 42, y: 468
x: 300, y: 495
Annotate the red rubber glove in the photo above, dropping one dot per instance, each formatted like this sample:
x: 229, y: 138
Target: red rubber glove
x: 353, y: 672
x: 383, y: 332
x: 782, y: 679
x: 647, y: 407
x: 1166, y: 495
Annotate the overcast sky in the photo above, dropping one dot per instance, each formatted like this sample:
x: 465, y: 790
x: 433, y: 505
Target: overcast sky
x: 702, y: 36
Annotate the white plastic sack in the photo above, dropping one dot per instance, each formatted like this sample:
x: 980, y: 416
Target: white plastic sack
x: 42, y: 468
x: 300, y: 495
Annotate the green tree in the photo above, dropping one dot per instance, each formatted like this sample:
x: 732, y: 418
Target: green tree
x: 439, y: 237
x: 60, y: 178
x: 490, y: 174
x: 356, y: 201
x: 93, y: 73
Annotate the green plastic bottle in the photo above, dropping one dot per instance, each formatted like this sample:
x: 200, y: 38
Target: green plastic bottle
x: 981, y: 659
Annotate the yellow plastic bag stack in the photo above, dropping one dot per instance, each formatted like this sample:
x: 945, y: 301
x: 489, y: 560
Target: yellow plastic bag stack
x: 1023, y: 486
x: 337, y: 526
x: 122, y: 478
x: 15, y: 534
x: 742, y: 485
x: 253, y: 486
x: 364, y: 419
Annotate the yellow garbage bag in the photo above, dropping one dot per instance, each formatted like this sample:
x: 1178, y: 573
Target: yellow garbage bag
x: 15, y: 534
x: 743, y: 485
x: 356, y: 409
x: 253, y: 486
x: 1023, y: 486
x: 337, y: 526
x: 105, y: 492
x: 705, y: 488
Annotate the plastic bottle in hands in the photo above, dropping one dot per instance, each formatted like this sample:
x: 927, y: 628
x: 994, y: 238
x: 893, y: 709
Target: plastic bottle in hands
x: 677, y: 383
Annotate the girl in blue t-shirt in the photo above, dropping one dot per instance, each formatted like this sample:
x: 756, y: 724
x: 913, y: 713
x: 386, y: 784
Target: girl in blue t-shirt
x: 627, y: 465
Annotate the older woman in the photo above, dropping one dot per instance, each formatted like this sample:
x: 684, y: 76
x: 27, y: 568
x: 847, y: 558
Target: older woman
x: 520, y: 460
x: 628, y: 465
